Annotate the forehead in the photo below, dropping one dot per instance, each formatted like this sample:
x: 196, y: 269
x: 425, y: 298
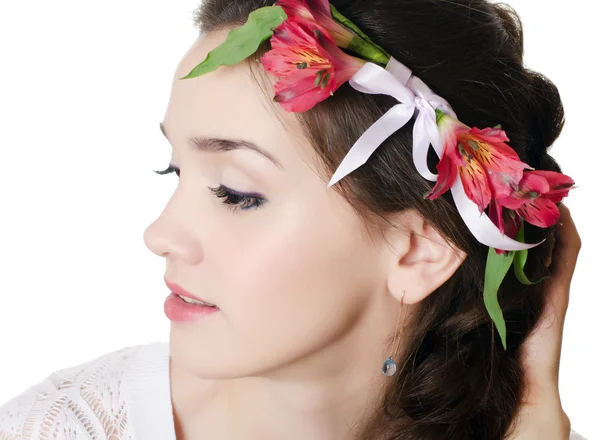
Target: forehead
x: 229, y: 103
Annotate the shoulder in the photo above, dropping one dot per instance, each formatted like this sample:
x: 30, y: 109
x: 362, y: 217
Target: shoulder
x: 83, y: 401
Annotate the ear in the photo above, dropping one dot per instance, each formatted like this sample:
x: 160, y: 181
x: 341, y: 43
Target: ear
x: 420, y: 258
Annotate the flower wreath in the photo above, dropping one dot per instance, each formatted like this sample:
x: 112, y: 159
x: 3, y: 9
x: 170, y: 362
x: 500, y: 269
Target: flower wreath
x: 308, y: 39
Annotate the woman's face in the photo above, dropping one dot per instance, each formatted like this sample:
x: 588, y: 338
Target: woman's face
x: 291, y: 276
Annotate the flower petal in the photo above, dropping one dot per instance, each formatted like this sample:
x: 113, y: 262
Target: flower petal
x: 447, y: 167
x: 530, y: 187
x: 496, y: 138
x: 288, y: 61
x: 512, y: 223
x: 294, y: 8
x: 540, y: 212
x: 534, y: 182
x: 447, y: 174
x: 299, y: 94
x: 501, y: 162
x: 450, y: 128
x: 308, y: 63
x: 560, y: 184
x: 320, y: 6
x: 461, y: 146
x: 476, y: 183
x: 495, y: 214
x: 321, y: 9
x: 296, y: 31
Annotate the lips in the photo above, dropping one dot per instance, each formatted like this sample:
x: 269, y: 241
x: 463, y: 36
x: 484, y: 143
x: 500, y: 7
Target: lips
x: 178, y: 290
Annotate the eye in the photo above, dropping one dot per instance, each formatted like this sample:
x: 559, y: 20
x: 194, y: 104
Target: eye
x: 234, y: 199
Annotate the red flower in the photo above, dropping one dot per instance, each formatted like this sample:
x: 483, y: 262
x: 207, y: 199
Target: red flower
x: 488, y: 168
x: 318, y: 11
x: 308, y: 62
x: 536, y: 196
x: 506, y: 220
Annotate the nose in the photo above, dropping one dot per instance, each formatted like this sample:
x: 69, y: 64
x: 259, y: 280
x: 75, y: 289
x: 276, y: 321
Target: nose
x: 171, y: 235
x: 155, y: 238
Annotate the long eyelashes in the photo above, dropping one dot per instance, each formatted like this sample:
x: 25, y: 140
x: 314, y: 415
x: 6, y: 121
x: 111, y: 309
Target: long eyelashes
x: 236, y: 199
x: 233, y: 199
x: 170, y: 169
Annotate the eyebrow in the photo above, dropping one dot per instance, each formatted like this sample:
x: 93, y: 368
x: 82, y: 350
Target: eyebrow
x: 218, y: 145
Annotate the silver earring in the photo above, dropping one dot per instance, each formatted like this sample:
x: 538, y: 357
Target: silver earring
x: 389, y: 367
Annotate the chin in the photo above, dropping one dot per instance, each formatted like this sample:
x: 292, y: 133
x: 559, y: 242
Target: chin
x: 208, y: 361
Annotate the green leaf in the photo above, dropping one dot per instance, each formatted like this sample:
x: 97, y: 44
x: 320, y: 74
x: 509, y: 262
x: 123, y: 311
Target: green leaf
x: 521, y: 259
x: 495, y: 270
x: 243, y: 41
x: 362, y: 44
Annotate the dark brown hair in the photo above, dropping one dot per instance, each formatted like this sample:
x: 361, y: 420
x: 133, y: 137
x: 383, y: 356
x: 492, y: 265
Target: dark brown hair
x: 457, y: 381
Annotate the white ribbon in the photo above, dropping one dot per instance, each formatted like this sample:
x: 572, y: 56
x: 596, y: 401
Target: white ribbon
x: 415, y: 97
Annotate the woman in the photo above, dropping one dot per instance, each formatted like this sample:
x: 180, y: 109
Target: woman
x: 330, y: 286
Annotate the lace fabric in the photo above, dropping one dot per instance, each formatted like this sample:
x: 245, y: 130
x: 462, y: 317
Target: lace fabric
x: 86, y: 401
x: 122, y: 395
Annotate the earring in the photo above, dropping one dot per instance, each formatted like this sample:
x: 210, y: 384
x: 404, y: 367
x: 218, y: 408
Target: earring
x: 389, y: 365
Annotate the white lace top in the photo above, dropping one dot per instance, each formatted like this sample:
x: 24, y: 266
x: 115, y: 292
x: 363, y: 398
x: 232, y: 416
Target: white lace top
x: 122, y: 395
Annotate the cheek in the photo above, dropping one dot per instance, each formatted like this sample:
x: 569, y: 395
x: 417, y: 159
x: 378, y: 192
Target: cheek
x: 295, y: 285
x: 296, y: 258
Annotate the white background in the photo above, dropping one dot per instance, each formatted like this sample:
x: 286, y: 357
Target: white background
x: 83, y: 87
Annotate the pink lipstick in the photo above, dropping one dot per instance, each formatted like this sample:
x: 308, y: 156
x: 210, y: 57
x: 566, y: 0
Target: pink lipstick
x: 182, y: 306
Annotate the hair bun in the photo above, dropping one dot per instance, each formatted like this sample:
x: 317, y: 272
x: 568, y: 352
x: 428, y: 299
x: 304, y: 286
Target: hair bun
x: 511, y: 24
x: 546, y: 118
x: 543, y: 112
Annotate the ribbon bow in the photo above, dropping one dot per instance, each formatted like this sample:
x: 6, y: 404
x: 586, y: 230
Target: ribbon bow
x: 416, y: 98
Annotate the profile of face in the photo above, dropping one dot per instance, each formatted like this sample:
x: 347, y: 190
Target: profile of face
x: 285, y: 258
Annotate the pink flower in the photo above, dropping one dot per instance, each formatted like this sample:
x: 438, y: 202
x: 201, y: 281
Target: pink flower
x: 488, y: 168
x: 318, y: 11
x: 536, y: 196
x: 309, y: 64
x: 506, y: 220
